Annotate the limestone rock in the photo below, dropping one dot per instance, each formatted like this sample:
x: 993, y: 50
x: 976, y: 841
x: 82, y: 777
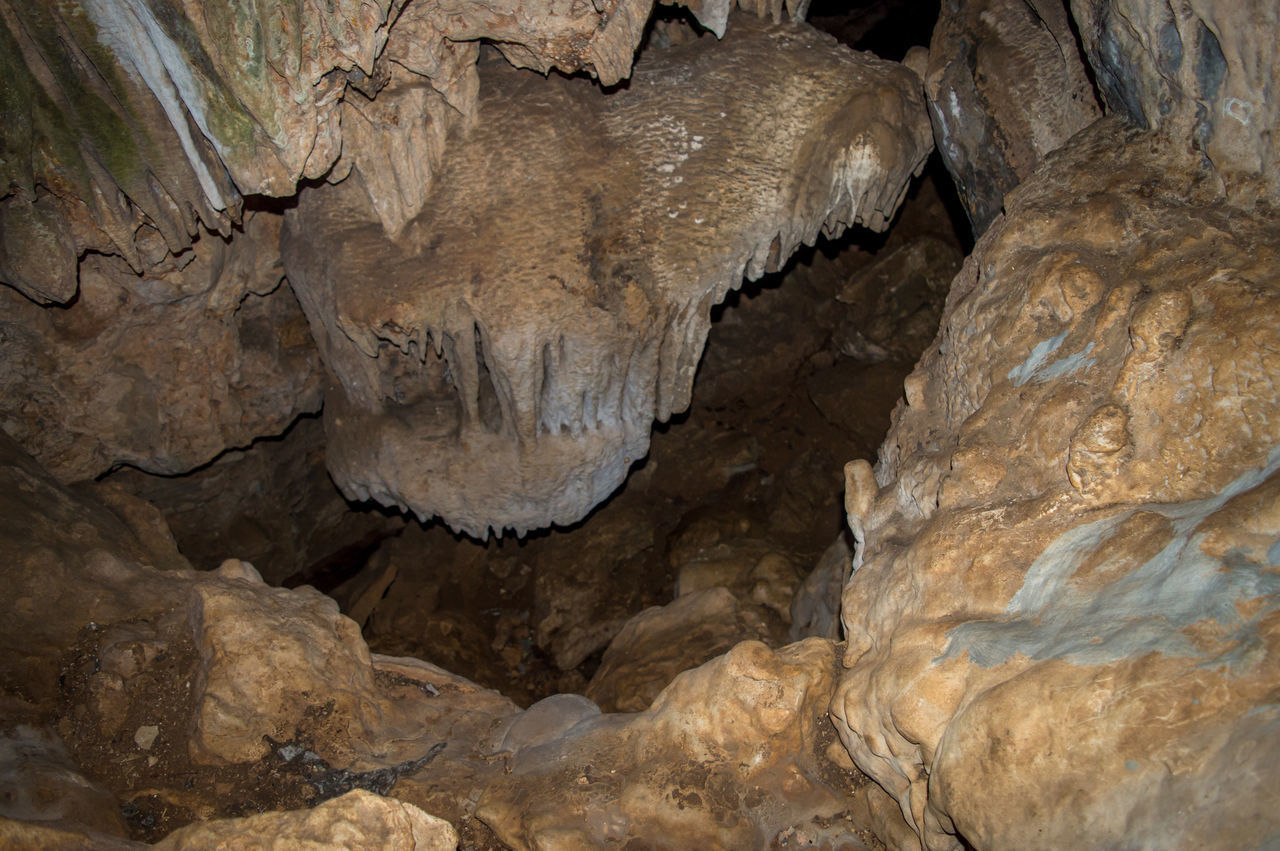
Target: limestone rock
x: 1006, y: 86
x: 161, y: 371
x: 660, y: 642
x: 262, y: 672
x: 727, y: 757
x: 500, y: 363
x: 1203, y: 73
x: 356, y: 820
x: 1063, y: 624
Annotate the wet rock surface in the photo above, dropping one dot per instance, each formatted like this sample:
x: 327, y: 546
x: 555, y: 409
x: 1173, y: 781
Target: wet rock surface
x: 1071, y: 479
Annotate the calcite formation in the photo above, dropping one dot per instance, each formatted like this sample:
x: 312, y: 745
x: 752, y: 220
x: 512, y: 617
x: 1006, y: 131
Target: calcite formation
x: 133, y: 134
x: 1064, y: 609
x: 500, y: 362
x: 730, y: 755
x: 126, y: 122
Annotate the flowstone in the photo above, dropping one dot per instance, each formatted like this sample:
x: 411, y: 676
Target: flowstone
x: 499, y: 363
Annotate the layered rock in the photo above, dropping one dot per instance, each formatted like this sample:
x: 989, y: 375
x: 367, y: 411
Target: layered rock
x: 500, y: 363
x: 1063, y: 615
x: 1006, y: 86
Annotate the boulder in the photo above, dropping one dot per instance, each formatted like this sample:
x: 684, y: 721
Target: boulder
x: 358, y: 819
x: 1062, y: 623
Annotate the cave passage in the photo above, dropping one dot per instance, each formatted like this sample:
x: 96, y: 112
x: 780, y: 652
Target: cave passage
x: 743, y: 491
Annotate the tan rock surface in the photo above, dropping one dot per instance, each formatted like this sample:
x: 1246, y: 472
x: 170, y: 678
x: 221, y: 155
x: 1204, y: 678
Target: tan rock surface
x: 162, y: 371
x: 727, y: 757
x: 500, y: 363
x: 356, y: 820
x: 662, y: 641
x: 1063, y: 626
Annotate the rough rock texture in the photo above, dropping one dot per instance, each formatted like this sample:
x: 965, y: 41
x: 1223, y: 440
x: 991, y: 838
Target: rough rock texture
x: 662, y: 641
x: 500, y: 363
x: 165, y: 682
x: 1063, y: 621
x: 729, y: 756
x: 128, y: 123
x: 358, y: 819
x: 1203, y: 73
x: 134, y: 130
x: 1006, y: 85
x: 161, y: 371
x: 192, y: 696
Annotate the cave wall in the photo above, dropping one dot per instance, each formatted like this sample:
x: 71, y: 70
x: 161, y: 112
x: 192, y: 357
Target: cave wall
x: 1061, y: 617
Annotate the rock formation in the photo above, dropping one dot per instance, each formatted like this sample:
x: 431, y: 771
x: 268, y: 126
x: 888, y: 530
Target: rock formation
x: 1058, y: 588
x: 500, y: 362
x: 1065, y: 612
x: 1006, y: 85
x: 1202, y: 73
x: 161, y: 371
